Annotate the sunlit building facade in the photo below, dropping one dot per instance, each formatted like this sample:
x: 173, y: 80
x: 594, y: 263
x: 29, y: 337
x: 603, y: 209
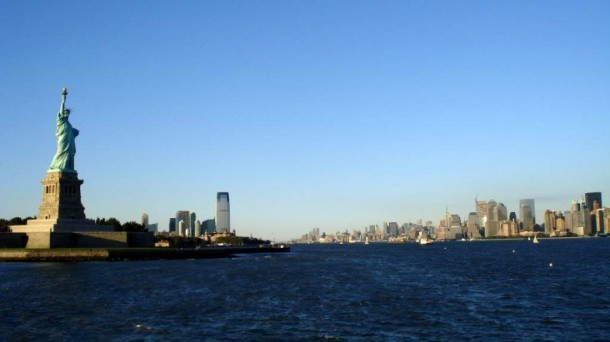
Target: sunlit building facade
x: 185, y: 217
x: 527, y: 214
x: 481, y: 212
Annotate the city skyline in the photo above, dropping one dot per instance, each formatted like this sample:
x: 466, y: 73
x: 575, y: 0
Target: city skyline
x: 320, y: 114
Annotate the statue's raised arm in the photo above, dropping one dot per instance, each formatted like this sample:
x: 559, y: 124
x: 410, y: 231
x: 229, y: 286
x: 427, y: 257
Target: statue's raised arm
x: 62, y: 107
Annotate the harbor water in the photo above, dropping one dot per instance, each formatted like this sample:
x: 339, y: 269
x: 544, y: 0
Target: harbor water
x: 481, y: 290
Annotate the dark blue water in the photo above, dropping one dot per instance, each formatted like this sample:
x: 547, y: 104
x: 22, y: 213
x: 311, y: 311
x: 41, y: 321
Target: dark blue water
x: 394, y: 292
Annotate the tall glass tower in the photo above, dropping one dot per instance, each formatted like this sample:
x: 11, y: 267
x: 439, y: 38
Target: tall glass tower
x: 223, y: 223
x: 527, y: 214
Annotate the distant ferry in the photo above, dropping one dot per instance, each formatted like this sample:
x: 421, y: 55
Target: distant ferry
x: 423, y: 240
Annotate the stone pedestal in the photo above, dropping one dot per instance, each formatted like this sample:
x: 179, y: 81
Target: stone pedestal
x: 61, y: 209
x: 61, y: 197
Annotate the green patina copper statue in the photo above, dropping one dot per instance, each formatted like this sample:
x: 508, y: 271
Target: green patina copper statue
x: 66, y: 146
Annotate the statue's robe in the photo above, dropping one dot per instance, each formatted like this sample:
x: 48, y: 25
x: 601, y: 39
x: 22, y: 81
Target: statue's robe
x: 66, y: 146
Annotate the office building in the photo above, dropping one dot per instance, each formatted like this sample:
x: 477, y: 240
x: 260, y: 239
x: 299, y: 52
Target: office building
x: 549, y: 222
x: 589, y: 206
x: 208, y: 226
x: 512, y: 216
x: 492, y: 225
x: 569, y: 221
x: 223, y: 217
x: 473, y: 230
x: 481, y: 212
x: 600, y: 220
x: 593, y: 201
x: 527, y: 214
x: 197, y: 228
x: 153, y: 227
x: 192, y: 221
x: 181, y: 228
x: 501, y: 213
x: 185, y: 217
x: 172, y: 224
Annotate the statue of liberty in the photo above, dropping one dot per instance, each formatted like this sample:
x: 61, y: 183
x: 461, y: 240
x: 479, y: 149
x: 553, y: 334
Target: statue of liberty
x: 66, y: 147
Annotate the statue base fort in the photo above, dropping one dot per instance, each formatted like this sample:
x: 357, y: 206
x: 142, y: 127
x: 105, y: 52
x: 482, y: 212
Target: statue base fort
x: 61, y: 221
x: 60, y: 226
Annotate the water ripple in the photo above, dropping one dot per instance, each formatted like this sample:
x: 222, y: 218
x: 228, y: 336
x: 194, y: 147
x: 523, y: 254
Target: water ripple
x: 391, y: 292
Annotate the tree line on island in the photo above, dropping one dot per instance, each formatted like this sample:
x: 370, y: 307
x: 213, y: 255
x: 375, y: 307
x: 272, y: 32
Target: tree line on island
x: 129, y: 226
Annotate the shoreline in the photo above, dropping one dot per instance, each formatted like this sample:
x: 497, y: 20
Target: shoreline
x: 458, y: 240
x: 128, y: 254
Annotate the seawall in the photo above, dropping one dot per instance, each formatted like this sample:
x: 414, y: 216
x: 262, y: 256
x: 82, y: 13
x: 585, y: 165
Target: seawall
x: 121, y: 254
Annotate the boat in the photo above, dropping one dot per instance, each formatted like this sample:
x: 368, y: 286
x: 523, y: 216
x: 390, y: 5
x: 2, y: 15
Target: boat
x: 535, y: 238
x: 529, y: 239
x: 366, y: 241
x: 424, y: 240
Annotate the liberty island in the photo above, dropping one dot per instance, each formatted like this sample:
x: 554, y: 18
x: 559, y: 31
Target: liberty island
x: 61, y: 220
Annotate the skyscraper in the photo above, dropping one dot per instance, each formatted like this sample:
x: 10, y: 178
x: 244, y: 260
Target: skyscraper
x: 502, y: 212
x: 474, y: 230
x: 197, y: 229
x: 481, y: 212
x: 183, y: 215
x: 492, y: 223
x: 527, y: 214
x: 145, y: 220
x: 181, y: 228
x: 223, y: 224
x: 193, y: 220
x: 550, y: 222
x: 512, y: 216
x: 591, y: 198
x: 208, y: 226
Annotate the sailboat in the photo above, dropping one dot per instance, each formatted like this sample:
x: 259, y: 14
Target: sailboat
x: 535, y: 238
x: 366, y: 241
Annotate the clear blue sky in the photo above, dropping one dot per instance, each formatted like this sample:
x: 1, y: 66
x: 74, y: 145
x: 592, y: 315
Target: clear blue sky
x: 330, y: 114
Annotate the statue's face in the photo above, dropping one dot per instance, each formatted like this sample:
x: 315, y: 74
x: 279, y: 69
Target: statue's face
x: 66, y: 112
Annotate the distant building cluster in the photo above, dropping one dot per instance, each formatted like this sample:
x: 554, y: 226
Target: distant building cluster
x: 152, y: 227
x: 585, y: 217
x: 388, y: 231
x: 490, y: 219
x: 185, y: 223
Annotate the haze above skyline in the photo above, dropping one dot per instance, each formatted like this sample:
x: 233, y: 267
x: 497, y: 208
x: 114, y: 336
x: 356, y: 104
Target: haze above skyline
x: 329, y: 114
